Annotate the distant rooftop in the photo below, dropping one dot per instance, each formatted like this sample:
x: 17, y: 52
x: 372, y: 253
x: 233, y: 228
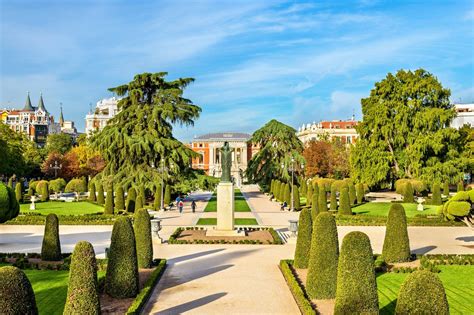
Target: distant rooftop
x: 224, y: 136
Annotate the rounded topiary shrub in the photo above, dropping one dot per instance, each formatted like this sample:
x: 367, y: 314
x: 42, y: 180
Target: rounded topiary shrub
x: 121, y: 280
x: 119, y: 198
x: 9, y: 206
x: 157, y: 200
x: 92, y: 195
x: 51, y: 248
x: 100, y: 194
x: 323, y: 258
x: 396, y: 246
x: 436, y: 194
x: 139, y: 202
x: 356, y: 291
x: 83, y: 289
x: 408, y: 192
x: 344, y: 203
x: 109, y: 200
x: 16, y: 293
x: 422, y: 293
x: 459, y: 208
x: 142, y: 228
x: 131, y: 197
x: 303, y: 242
x: 18, y: 192
x: 43, y: 189
x: 322, y: 200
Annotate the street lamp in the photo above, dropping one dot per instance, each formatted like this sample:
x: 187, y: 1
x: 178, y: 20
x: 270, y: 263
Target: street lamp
x: 163, y: 168
x: 56, y: 167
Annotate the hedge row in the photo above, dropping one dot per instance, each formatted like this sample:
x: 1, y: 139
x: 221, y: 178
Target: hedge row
x: 298, y: 292
x: 173, y: 239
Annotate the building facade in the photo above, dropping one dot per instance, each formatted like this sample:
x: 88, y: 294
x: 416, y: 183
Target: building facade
x: 208, y: 146
x: 341, y: 129
x: 35, y: 122
x: 465, y: 115
x: 104, y: 111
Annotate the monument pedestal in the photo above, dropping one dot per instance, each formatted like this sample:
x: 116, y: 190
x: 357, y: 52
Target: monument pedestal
x: 225, y: 211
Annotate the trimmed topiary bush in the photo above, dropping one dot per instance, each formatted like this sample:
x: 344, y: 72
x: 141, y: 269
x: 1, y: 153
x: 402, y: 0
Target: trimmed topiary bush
x: 142, y: 228
x: 119, y: 199
x: 322, y: 200
x: 360, y: 193
x: 296, y: 197
x: 9, y: 206
x: 446, y: 189
x: 143, y: 195
x: 303, y: 242
x: 167, y: 198
x: 356, y: 291
x: 396, y: 246
x: 408, y: 193
x: 436, y: 195
x: 131, y: 197
x: 92, y: 195
x: 352, y: 194
x: 43, y: 189
x: 333, y: 198
x: 459, y: 208
x: 314, y: 207
x: 139, y: 202
x: 323, y: 258
x: 83, y: 289
x: 100, y: 194
x: 51, y: 248
x: 109, y: 200
x: 16, y: 293
x: 287, y: 197
x: 422, y: 292
x: 121, y: 280
x: 344, y: 204
x: 76, y: 185
x: 18, y: 192
x: 460, y: 186
x: 157, y: 201
x: 309, y: 195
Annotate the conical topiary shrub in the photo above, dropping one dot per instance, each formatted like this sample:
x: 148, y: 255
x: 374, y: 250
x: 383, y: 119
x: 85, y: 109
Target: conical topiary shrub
x: 436, y: 195
x: 356, y: 291
x: 18, y: 192
x: 309, y: 195
x: 446, y: 189
x: 288, y: 195
x: 51, y: 248
x: 408, y: 193
x: 157, y: 201
x: 344, y: 204
x: 461, y: 186
x: 167, y: 197
x: 119, y: 200
x: 281, y: 191
x: 303, y: 242
x: 322, y: 200
x: 100, y: 194
x: 360, y: 193
x: 16, y: 293
x: 109, y: 200
x: 142, y: 228
x: 139, y: 202
x: 92, y: 195
x: 143, y: 195
x: 333, y: 198
x: 83, y: 289
x: 303, y: 187
x: 296, y: 197
x: 422, y: 292
x: 323, y: 258
x: 396, y: 246
x: 314, y: 207
x: 121, y: 280
x: 352, y: 194
x: 131, y: 197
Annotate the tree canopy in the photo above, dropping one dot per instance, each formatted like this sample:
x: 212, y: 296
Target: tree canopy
x: 278, y: 144
x: 327, y: 158
x: 405, y: 132
x: 140, y: 135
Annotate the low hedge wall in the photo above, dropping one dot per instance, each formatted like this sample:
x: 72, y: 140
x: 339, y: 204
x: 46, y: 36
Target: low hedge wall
x: 420, y: 220
x: 142, y: 297
x: 276, y: 238
x: 29, y: 218
x: 296, y: 289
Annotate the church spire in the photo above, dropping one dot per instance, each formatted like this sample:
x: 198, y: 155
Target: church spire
x: 41, y: 104
x: 61, y: 117
x: 28, y: 103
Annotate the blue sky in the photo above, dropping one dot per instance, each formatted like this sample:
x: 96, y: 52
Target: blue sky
x: 296, y: 61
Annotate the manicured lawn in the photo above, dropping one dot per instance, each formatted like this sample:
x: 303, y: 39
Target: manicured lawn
x: 63, y: 208
x: 213, y: 221
x: 50, y: 289
x: 382, y: 208
x: 240, y: 204
x: 457, y: 280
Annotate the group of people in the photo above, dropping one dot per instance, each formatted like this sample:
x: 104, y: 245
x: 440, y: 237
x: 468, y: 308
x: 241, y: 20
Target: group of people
x: 180, y: 204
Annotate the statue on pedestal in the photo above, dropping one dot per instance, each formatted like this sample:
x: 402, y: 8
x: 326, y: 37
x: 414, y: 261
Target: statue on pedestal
x: 226, y: 162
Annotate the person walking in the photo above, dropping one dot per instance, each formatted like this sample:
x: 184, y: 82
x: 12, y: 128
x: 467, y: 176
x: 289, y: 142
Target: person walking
x: 180, y: 206
x: 193, y: 205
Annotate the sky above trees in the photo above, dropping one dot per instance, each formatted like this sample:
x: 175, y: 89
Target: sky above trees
x: 297, y: 62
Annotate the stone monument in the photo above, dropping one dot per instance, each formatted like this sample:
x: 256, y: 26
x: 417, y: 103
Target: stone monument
x: 225, y: 198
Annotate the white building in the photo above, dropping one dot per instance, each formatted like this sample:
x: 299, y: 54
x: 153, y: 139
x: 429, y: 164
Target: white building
x: 465, y: 115
x: 105, y: 110
x: 344, y: 130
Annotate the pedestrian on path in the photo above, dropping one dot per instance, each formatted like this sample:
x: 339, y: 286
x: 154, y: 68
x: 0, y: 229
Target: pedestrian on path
x: 180, y: 206
x: 193, y: 205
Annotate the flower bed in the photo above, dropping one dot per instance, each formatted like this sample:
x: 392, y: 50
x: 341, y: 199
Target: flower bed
x: 272, y: 238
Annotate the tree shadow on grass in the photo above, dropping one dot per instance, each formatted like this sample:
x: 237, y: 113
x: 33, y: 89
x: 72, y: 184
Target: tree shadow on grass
x: 179, y: 309
x: 389, y: 309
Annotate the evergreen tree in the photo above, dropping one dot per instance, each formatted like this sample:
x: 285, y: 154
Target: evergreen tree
x: 18, y: 193
x: 167, y: 197
x: 109, y: 200
x: 303, y: 241
x: 140, y: 135
x: 344, y: 205
x: 131, y: 197
x: 309, y: 195
x: 119, y: 198
x: 322, y: 200
x: 157, y: 202
x: 92, y: 195
x: 100, y: 194
x: 142, y: 229
x: 436, y: 195
x: 396, y: 246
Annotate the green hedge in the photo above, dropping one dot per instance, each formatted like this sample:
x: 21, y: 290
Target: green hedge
x: 131, y: 197
x: 344, y: 202
x: 100, y: 194
x: 109, y: 200
x: 119, y: 199
x: 173, y: 239
x: 9, y: 206
x: 303, y: 242
x: 298, y: 292
x: 92, y: 196
x: 17, y: 296
x: 360, y: 193
x: 144, y: 295
x: 142, y: 230
x: 396, y: 246
x: 51, y: 247
x: 322, y: 200
x: 436, y: 195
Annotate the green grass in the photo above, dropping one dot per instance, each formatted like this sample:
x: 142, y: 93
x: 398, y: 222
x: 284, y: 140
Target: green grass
x: 50, y: 289
x: 63, y: 208
x: 457, y: 280
x: 240, y: 204
x: 382, y: 208
x: 213, y: 221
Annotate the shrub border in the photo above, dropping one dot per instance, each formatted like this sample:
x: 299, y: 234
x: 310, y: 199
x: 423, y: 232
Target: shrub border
x: 304, y: 304
x: 276, y: 238
x: 142, y: 298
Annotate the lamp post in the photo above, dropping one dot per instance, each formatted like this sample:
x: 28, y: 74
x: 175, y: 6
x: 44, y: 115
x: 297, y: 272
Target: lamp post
x: 56, y: 167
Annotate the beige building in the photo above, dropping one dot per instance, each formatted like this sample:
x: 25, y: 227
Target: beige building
x: 342, y: 129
